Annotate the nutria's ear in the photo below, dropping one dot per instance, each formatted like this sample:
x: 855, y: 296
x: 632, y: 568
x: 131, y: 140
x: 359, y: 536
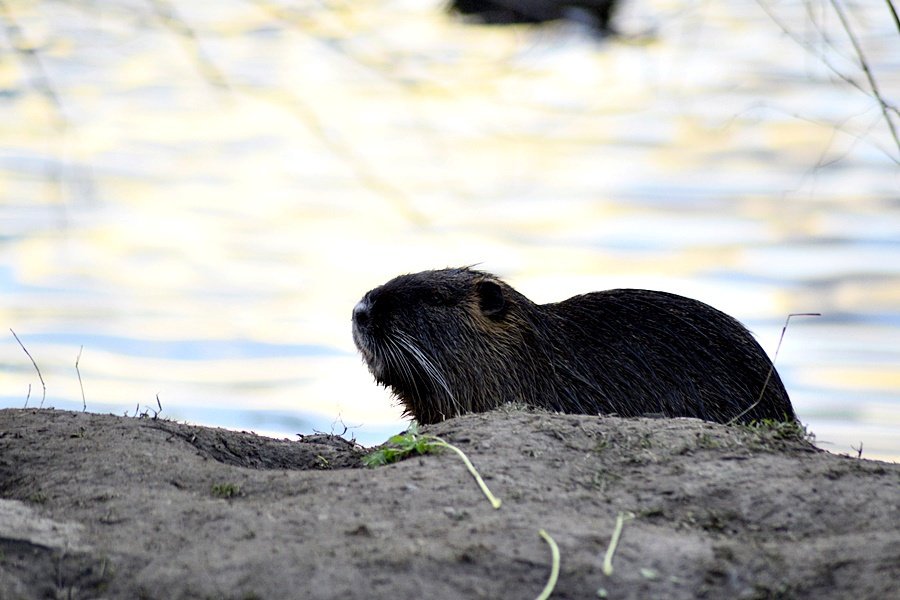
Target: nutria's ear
x: 490, y: 298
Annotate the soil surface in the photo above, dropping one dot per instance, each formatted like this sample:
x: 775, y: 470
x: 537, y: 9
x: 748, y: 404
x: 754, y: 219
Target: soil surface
x: 101, y: 506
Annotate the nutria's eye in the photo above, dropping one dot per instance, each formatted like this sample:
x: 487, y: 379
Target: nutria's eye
x: 490, y: 298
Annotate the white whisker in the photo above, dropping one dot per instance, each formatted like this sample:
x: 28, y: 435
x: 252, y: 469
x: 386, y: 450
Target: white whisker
x: 429, y: 368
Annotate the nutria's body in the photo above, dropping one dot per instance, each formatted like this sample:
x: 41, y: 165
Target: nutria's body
x: 454, y: 341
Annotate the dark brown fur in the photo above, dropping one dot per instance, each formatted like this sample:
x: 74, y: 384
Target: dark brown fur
x: 594, y: 13
x: 453, y: 341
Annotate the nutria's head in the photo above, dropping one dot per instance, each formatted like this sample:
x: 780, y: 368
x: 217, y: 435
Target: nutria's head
x: 446, y: 342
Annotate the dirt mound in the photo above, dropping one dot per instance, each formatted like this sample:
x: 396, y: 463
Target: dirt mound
x: 99, y: 506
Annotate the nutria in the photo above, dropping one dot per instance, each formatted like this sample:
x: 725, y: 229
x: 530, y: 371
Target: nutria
x: 453, y: 341
x: 594, y: 13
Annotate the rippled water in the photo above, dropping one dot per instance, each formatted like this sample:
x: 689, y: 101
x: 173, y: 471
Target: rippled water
x: 198, y: 193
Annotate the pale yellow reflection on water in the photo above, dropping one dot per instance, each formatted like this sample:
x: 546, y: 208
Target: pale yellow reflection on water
x: 201, y: 213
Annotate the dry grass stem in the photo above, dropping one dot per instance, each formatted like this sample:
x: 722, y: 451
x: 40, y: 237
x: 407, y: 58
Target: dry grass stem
x: 80, y: 384
x: 614, y: 542
x: 28, y: 354
x: 772, y: 368
x: 554, y: 569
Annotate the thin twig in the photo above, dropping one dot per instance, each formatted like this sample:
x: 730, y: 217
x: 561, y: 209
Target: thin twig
x: 328, y: 136
x: 168, y: 17
x: 41, y: 82
x: 44, y: 397
x: 772, y: 365
x: 800, y: 42
x: 865, y: 67
x: 893, y: 10
x: 28, y: 55
x: 83, y: 400
x: 874, y: 92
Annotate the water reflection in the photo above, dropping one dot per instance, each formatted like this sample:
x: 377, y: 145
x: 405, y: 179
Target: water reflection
x: 202, y: 215
x: 186, y: 350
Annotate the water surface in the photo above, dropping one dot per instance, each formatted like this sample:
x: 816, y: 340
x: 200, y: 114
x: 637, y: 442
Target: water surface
x: 198, y: 197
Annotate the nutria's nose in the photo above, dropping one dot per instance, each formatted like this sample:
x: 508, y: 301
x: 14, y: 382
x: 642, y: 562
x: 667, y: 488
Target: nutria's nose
x: 362, y: 312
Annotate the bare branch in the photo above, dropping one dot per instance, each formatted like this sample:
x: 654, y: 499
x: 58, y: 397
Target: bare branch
x: 366, y: 176
x: 29, y: 56
x: 41, y: 83
x: 873, y: 91
x: 822, y: 57
x: 865, y: 67
x: 893, y: 10
x: 168, y: 17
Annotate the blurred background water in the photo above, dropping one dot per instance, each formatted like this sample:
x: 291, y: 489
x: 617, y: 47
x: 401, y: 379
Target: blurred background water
x: 193, y: 195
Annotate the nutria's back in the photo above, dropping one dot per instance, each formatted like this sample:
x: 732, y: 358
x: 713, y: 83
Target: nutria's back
x: 453, y: 341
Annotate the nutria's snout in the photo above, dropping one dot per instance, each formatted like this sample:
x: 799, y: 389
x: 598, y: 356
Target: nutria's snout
x: 453, y: 341
x: 362, y: 334
x: 361, y: 313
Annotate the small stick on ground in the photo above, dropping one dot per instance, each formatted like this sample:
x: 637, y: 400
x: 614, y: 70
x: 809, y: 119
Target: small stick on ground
x: 554, y: 569
x: 28, y: 354
x: 80, y: 384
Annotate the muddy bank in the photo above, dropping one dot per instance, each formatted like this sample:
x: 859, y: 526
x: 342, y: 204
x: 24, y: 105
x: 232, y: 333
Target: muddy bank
x: 98, y: 506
